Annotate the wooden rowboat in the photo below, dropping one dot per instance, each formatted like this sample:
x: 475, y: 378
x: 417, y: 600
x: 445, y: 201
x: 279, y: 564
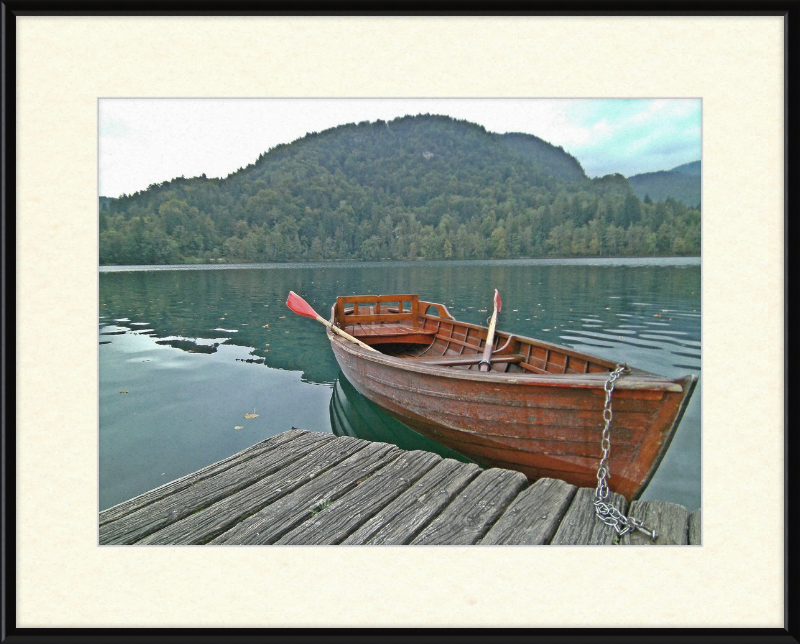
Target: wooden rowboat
x: 539, y: 410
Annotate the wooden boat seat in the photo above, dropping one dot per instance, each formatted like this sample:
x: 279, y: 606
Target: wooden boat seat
x: 382, y: 319
x: 390, y: 332
x: 453, y: 361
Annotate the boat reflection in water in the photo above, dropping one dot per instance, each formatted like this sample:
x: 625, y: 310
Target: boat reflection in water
x: 353, y: 415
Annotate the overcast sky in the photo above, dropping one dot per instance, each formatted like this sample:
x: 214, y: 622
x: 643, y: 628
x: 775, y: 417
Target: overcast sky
x: 145, y: 141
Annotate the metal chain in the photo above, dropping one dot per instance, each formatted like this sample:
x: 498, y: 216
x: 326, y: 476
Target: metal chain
x: 606, y: 512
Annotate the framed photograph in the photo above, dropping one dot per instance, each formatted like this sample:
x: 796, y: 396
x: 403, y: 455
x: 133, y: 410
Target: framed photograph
x: 87, y: 93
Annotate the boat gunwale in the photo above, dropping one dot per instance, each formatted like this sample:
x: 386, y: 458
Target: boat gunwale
x: 448, y: 317
x: 636, y: 380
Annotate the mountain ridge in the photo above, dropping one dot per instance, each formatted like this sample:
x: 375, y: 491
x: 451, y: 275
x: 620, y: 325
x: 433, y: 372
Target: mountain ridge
x: 424, y: 186
x: 681, y: 183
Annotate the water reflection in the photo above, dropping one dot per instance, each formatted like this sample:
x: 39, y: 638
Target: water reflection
x: 221, y: 340
x: 353, y: 415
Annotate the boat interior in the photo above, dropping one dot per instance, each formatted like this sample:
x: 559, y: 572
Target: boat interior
x: 406, y: 327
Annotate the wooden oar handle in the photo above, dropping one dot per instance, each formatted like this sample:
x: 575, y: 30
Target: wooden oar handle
x: 344, y: 334
x: 486, y: 362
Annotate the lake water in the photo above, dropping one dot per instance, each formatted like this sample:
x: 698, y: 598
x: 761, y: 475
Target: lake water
x: 186, y: 353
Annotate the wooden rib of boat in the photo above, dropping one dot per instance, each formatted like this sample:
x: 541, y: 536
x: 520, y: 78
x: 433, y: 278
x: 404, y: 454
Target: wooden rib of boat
x: 538, y: 410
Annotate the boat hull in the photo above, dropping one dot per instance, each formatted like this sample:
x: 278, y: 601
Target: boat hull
x: 541, y: 425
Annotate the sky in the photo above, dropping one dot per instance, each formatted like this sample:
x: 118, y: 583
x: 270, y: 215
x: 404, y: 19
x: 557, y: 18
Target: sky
x: 142, y: 141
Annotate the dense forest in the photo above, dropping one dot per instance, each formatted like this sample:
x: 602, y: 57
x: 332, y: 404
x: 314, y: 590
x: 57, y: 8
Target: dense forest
x: 426, y: 187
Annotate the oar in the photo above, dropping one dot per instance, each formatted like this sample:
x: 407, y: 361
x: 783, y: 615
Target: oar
x: 298, y: 305
x: 486, y: 362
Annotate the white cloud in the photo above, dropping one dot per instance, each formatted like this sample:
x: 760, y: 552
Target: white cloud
x: 145, y: 141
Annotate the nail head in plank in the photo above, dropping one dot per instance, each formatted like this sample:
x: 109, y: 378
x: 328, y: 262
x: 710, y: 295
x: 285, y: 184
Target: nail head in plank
x: 333, y: 524
x: 533, y: 517
x: 212, y: 521
x: 403, y: 519
x: 275, y: 520
x: 467, y: 519
x: 140, y: 501
x: 139, y: 524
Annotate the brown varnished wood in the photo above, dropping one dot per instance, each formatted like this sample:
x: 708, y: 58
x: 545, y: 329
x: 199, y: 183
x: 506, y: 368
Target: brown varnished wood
x: 539, y: 410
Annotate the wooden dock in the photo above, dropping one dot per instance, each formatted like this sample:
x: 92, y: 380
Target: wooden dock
x: 307, y: 488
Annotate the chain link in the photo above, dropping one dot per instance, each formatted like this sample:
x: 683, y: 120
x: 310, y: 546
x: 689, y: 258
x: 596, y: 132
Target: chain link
x: 606, y: 512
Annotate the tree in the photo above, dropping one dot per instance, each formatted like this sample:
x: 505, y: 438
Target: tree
x: 425, y: 186
x: 498, y: 243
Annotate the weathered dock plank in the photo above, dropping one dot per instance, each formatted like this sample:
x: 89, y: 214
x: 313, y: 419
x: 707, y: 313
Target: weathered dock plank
x: 271, y: 523
x: 311, y: 488
x: 580, y: 526
x: 468, y: 518
x: 212, y: 521
x: 333, y: 524
x: 137, y: 525
x: 534, y: 516
x: 403, y: 519
x: 138, y: 502
x: 670, y: 520
x: 695, y: 536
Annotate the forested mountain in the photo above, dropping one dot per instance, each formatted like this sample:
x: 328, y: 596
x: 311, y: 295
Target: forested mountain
x: 692, y: 168
x: 681, y: 183
x: 541, y: 153
x: 416, y: 187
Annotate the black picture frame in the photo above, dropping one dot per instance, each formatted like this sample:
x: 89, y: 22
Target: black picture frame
x: 11, y: 633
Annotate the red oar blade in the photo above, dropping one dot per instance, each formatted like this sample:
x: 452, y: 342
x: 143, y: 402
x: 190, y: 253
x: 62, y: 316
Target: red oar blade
x: 300, y: 306
x: 498, y: 303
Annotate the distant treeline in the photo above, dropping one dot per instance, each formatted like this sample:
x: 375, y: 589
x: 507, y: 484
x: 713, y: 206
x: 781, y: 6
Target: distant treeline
x: 682, y: 183
x: 417, y: 187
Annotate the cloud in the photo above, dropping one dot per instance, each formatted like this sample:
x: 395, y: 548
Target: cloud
x: 145, y: 141
x: 631, y: 136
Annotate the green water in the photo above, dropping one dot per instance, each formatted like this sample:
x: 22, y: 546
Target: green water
x: 198, y: 348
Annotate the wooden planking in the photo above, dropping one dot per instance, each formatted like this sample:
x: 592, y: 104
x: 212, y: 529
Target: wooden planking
x: 467, y: 519
x: 580, y: 525
x: 403, y: 519
x: 670, y: 520
x: 695, y: 531
x: 448, y: 340
x: 357, y: 318
x: 138, y: 502
x: 272, y: 522
x: 155, y: 516
x: 534, y: 516
x: 334, y: 523
x: 308, y: 488
x: 203, y: 526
